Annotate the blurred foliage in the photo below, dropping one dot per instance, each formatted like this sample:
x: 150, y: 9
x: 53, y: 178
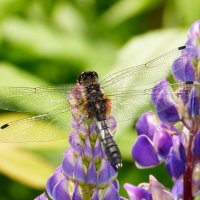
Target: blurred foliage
x: 50, y: 42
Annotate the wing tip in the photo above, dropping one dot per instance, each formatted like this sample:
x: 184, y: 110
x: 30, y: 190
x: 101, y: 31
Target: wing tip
x: 182, y: 47
x: 4, y: 126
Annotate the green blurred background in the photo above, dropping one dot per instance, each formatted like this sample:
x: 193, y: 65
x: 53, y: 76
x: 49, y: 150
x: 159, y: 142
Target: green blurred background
x: 51, y: 42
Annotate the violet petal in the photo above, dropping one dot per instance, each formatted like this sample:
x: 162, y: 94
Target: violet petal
x: 53, y: 180
x: 144, y: 153
x: 68, y: 164
x: 137, y: 193
x: 91, y: 177
x: 174, y: 164
x: 193, y: 103
x: 110, y: 193
x: 104, y: 175
x: 60, y: 191
x: 79, y: 173
x: 76, y: 193
x: 146, y: 125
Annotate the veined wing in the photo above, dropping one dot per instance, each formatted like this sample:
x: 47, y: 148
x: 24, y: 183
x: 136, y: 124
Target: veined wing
x: 39, y: 99
x: 130, y: 104
x: 45, y: 127
x: 143, y: 75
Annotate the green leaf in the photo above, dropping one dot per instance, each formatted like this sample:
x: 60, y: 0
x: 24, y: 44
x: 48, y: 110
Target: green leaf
x: 23, y: 166
x: 123, y: 10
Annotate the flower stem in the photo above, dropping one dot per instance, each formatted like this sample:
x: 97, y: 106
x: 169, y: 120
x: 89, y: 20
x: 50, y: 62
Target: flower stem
x: 187, y: 177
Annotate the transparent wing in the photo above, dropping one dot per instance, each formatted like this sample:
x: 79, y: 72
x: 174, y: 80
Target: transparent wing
x: 127, y: 88
x: 45, y: 127
x: 130, y: 104
x: 39, y: 100
x: 145, y: 75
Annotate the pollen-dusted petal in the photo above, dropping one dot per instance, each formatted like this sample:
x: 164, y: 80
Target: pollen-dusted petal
x: 177, y: 190
x: 163, y: 142
x: 196, y: 145
x: 110, y: 193
x: 42, y: 197
x: 76, y: 194
x: 95, y: 195
x: 183, y: 69
x: 91, y: 177
x: 53, y: 180
x: 158, y: 190
x: 97, y: 154
x: 193, y: 103
x: 144, y: 153
x: 175, y: 166
x: 61, y: 191
x: 68, y: 164
x: 76, y: 143
x: 88, y: 153
x: 146, y: 125
x: 104, y: 175
x: 136, y: 193
x: 79, y: 172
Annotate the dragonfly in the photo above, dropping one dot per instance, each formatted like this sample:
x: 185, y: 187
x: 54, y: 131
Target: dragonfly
x: 125, y: 91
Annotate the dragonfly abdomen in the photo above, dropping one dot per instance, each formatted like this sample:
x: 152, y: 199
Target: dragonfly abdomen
x: 112, y: 149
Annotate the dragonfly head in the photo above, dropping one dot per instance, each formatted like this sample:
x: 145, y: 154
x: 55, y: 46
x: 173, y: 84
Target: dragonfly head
x: 87, y: 76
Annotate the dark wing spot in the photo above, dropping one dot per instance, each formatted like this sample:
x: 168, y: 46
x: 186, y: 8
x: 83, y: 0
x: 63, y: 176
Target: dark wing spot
x: 4, y: 126
x: 182, y: 47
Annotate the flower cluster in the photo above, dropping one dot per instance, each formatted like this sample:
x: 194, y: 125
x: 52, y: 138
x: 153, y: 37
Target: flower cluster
x: 85, y: 172
x: 175, y: 137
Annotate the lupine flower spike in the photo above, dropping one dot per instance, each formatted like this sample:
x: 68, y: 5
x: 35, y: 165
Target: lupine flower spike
x: 175, y: 137
x: 85, y: 172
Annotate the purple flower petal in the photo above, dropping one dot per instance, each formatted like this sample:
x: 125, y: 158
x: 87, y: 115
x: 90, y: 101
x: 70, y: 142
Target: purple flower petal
x: 164, y: 102
x: 174, y: 164
x: 68, y: 163
x: 53, y: 180
x: 146, y: 125
x: 97, y: 151
x: 193, y: 103
x: 183, y: 70
x: 163, y: 142
x: 42, y: 197
x: 60, y: 191
x: 137, y: 193
x: 91, y: 177
x: 88, y: 154
x: 110, y: 193
x: 158, y: 190
x: 76, y: 143
x: 76, y: 193
x: 104, y: 175
x: 116, y: 185
x: 194, y: 29
x: 95, y: 195
x: 166, y: 108
x: 144, y: 153
x: 177, y: 190
x: 79, y: 172
x: 160, y: 86
x: 112, y: 123
x: 196, y: 146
